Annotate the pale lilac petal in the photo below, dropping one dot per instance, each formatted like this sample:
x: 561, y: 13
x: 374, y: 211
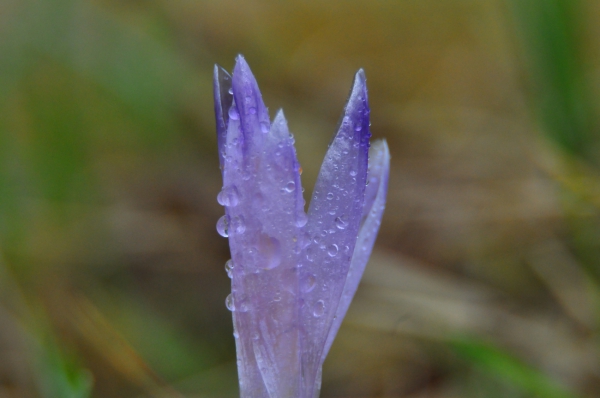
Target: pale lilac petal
x: 334, y: 218
x: 375, y: 196
x: 261, y: 166
x: 223, y: 99
x: 293, y: 275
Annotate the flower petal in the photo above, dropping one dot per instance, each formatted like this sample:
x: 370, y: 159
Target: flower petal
x: 375, y: 196
x: 264, y: 230
x: 223, y: 100
x: 334, y: 219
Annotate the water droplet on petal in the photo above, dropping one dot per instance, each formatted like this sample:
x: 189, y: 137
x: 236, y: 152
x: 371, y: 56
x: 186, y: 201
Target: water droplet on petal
x: 264, y: 127
x: 301, y: 219
x: 229, y: 196
x: 230, y: 91
x: 330, y: 196
x: 332, y: 250
x: 353, y: 173
x: 233, y: 113
x: 357, y: 127
x: 229, y: 268
x: 341, y: 222
x: 229, y: 303
x: 290, y: 186
x: 270, y: 251
x: 237, y: 225
x: 252, y: 110
x: 223, y: 226
x: 243, y: 305
x: 319, y: 309
x: 309, y: 283
x: 310, y: 254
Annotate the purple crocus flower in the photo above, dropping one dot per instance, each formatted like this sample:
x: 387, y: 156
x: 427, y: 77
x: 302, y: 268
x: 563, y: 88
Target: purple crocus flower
x: 293, y: 273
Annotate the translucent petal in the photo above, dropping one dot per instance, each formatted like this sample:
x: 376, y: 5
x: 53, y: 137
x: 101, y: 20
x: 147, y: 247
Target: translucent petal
x: 223, y: 100
x: 337, y: 200
x: 262, y: 165
x: 375, y: 196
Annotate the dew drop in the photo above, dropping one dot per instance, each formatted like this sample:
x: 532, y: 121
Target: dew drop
x: 319, y: 309
x: 290, y: 186
x: 310, y: 254
x: 229, y: 268
x: 243, y: 305
x: 357, y: 127
x: 301, y: 219
x: 332, y: 250
x: 341, y: 222
x: 330, y: 196
x: 270, y: 250
x: 353, y: 173
x: 264, y: 127
x: 229, y: 303
x: 309, y: 283
x: 223, y: 226
x: 303, y: 241
x: 230, y: 91
x: 277, y: 296
x: 233, y: 113
x: 229, y: 196
x: 238, y: 226
x: 252, y: 110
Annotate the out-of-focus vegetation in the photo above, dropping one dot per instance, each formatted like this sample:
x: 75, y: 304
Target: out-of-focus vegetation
x: 485, y: 281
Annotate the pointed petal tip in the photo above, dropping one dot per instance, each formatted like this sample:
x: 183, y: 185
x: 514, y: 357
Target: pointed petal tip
x: 360, y: 75
x: 360, y: 83
x: 241, y: 65
x: 381, y: 145
x: 279, y: 127
x: 219, y: 71
x: 279, y: 117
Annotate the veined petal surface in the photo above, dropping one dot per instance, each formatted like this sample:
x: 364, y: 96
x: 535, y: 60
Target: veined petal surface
x: 334, y: 218
x: 261, y: 168
x: 375, y: 196
x: 293, y: 274
x: 223, y: 99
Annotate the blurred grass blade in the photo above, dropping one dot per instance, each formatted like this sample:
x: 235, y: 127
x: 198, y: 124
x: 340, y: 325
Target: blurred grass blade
x: 506, y: 367
x: 552, y: 44
x: 61, y: 377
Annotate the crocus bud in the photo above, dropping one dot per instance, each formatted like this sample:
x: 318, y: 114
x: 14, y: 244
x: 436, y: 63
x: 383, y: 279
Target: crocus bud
x: 293, y: 273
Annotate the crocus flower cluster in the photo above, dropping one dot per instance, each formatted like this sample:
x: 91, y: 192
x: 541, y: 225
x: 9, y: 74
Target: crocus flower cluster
x: 293, y: 273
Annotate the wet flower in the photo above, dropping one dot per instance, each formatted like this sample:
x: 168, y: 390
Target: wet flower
x: 293, y: 273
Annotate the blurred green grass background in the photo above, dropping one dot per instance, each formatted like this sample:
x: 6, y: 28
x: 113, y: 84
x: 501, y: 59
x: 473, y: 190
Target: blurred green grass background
x: 485, y: 281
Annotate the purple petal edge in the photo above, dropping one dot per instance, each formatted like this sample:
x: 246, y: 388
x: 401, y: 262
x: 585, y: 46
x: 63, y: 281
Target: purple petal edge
x: 261, y: 166
x: 375, y: 197
x: 334, y: 214
x: 223, y: 99
x: 252, y: 112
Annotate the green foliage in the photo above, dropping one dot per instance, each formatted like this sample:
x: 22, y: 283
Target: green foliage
x: 553, y: 47
x: 60, y: 375
x: 504, y: 366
